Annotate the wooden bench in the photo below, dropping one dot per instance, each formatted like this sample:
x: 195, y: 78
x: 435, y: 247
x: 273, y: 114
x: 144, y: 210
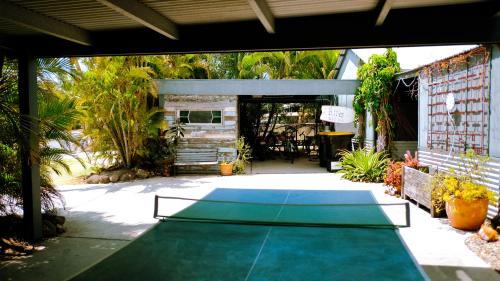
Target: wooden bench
x: 195, y: 157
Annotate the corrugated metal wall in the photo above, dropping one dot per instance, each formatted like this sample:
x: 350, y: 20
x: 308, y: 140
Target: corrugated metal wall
x: 443, y: 161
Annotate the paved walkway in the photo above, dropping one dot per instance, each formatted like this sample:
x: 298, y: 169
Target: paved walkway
x: 103, y: 218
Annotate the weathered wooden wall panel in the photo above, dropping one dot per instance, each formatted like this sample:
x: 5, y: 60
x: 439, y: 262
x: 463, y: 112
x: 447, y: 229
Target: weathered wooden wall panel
x: 204, y: 135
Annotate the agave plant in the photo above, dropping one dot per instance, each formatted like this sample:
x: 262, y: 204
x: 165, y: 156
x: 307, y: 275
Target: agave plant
x: 363, y: 165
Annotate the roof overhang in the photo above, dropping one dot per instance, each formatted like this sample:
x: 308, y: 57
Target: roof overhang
x: 48, y: 28
x: 249, y: 87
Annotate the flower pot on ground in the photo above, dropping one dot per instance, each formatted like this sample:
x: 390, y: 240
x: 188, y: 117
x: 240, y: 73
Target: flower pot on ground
x: 465, y: 214
x: 462, y: 189
x: 226, y: 169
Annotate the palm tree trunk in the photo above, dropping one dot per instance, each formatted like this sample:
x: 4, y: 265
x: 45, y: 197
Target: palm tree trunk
x: 361, y: 129
x: 272, y: 112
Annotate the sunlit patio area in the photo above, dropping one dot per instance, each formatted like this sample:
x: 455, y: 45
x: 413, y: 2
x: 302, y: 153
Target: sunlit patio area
x: 103, y: 218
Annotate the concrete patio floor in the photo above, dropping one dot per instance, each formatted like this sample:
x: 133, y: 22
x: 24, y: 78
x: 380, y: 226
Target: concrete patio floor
x: 103, y: 218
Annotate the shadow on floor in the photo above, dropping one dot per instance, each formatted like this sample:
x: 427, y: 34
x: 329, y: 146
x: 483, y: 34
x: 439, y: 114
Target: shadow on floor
x: 69, y: 254
x: 280, y: 166
x: 460, y: 273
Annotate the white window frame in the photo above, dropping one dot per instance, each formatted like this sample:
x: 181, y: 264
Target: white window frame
x: 205, y: 124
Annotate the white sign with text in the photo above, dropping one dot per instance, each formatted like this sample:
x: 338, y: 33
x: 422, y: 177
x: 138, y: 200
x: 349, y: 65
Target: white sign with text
x: 337, y: 114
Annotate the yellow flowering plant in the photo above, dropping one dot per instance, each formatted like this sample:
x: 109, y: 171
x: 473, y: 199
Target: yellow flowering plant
x: 462, y: 183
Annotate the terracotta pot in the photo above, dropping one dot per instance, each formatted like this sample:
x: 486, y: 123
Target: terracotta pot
x: 226, y: 169
x: 466, y: 215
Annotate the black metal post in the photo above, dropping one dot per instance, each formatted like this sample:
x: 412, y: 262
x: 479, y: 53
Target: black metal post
x: 155, y: 215
x: 28, y: 105
x: 407, y: 209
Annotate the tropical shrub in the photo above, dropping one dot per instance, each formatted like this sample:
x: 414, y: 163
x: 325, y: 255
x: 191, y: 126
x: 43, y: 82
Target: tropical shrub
x: 10, y: 173
x: 393, y: 176
x: 375, y: 92
x: 115, y: 95
x: 160, y: 148
x: 243, y: 157
x: 363, y: 165
x: 57, y: 115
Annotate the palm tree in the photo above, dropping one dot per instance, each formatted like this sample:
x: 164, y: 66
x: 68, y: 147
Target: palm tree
x: 113, y: 94
x: 281, y: 65
x: 190, y: 66
x: 56, y: 117
x: 317, y: 64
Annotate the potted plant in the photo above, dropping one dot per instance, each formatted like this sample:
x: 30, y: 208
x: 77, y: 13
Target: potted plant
x: 466, y: 199
x: 244, y: 154
x: 239, y: 159
x: 226, y: 168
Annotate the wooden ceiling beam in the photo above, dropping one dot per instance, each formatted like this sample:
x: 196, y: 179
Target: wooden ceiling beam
x: 145, y: 16
x: 263, y: 12
x: 41, y: 23
x: 383, y: 10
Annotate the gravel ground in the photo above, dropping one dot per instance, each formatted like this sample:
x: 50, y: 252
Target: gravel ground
x: 488, y: 251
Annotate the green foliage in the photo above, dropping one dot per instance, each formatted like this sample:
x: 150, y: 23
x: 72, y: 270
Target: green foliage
x: 243, y: 157
x: 57, y: 115
x: 160, y: 148
x: 375, y: 91
x: 464, y: 182
x: 10, y: 173
x: 286, y: 65
x: 363, y: 165
x: 276, y: 65
x: 113, y: 95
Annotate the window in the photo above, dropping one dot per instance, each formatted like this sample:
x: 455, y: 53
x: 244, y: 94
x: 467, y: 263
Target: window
x: 200, y: 117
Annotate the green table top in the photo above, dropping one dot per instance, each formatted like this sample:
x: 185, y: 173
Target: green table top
x: 178, y: 250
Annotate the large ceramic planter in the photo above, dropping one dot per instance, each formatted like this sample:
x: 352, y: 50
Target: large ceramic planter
x: 226, y: 169
x: 466, y: 215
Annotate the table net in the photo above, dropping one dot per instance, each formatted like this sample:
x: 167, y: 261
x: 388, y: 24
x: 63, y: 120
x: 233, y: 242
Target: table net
x: 391, y: 215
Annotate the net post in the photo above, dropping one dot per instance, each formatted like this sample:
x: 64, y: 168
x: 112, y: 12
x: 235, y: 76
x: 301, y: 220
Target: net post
x: 407, y: 209
x: 155, y: 215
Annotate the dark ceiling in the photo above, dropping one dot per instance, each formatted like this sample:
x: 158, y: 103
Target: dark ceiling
x: 113, y: 27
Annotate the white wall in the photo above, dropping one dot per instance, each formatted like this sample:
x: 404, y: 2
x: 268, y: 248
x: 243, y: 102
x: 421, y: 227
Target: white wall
x: 495, y: 102
x: 348, y: 71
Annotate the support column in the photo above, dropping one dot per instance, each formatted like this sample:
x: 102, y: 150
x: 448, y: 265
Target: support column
x: 28, y: 105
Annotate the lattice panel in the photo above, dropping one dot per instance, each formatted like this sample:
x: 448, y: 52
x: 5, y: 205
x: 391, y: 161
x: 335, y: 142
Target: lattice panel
x: 466, y: 126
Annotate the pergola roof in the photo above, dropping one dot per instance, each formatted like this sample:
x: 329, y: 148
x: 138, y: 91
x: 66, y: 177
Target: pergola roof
x: 38, y: 28
x: 111, y: 27
x: 259, y: 87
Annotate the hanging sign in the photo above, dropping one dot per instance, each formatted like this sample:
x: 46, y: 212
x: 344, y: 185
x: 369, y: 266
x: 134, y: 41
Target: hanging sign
x: 337, y: 114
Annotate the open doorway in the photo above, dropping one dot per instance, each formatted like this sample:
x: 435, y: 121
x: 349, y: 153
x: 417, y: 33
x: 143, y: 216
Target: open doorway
x: 283, y: 129
x: 405, y: 106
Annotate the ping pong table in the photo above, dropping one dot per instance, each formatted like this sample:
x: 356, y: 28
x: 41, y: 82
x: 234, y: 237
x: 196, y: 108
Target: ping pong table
x: 260, y: 234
